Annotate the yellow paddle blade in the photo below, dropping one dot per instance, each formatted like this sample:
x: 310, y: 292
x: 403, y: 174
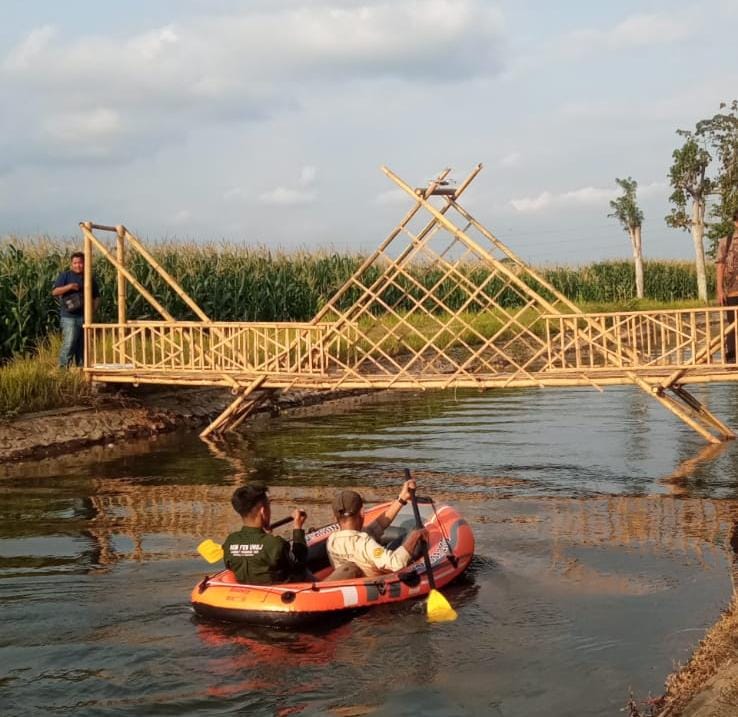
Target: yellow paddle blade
x: 210, y: 550
x: 439, y: 609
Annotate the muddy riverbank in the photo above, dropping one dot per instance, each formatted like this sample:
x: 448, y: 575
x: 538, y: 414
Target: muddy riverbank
x: 707, y: 685
x: 124, y: 416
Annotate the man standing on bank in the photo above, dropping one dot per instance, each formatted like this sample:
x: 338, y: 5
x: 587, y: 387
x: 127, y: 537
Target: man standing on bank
x: 726, y: 266
x: 69, y: 289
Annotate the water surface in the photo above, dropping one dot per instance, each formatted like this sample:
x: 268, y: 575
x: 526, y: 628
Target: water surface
x: 603, y: 553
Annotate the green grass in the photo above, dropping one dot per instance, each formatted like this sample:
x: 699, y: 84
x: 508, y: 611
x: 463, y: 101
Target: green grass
x: 35, y: 383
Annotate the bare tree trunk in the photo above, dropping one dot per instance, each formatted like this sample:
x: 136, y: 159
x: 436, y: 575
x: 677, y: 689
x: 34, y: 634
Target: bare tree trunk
x: 638, y: 261
x: 635, y: 240
x: 698, y: 231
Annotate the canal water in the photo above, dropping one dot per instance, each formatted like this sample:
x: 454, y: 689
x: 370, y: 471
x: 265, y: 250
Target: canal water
x: 603, y: 553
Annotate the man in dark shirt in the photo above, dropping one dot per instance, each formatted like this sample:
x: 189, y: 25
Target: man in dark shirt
x: 256, y: 556
x: 69, y: 290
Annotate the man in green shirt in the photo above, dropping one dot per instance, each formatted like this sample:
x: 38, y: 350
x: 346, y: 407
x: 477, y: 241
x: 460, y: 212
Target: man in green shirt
x: 255, y: 555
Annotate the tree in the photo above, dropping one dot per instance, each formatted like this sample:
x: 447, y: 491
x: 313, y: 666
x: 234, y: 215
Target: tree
x: 720, y: 132
x: 688, y: 177
x: 628, y: 213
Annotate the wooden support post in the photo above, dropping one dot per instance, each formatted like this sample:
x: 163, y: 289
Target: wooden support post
x: 221, y: 423
x: 88, y: 303
x: 702, y: 410
x: 682, y: 411
x: 120, y: 255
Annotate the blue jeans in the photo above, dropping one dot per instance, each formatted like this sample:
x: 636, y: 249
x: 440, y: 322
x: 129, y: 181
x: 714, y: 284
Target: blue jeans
x: 73, y: 345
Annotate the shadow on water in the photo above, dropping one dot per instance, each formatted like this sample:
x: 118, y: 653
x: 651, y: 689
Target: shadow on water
x: 607, y: 540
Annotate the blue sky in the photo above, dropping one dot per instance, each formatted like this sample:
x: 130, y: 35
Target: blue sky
x: 266, y: 122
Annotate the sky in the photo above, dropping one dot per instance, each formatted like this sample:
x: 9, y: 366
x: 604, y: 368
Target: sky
x: 266, y: 122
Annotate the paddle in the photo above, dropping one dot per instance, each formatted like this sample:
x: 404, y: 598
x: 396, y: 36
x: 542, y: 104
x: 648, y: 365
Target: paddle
x: 213, y: 552
x: 438, y: 608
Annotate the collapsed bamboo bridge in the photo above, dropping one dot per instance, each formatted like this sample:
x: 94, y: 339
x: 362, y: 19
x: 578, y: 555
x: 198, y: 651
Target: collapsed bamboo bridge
x: 484, y: 320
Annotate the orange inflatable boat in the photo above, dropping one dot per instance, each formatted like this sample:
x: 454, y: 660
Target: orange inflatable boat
x: 451, y: 547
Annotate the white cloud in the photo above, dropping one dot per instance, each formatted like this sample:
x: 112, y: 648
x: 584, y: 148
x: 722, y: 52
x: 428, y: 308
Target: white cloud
x: 532, y: 204
x: 308, y: 175
x: 236, y: 66
x: 512, y: 159
x: 283, y: 196
x: 650, y: 29
x: 235, y: 193
x: 654, y: 189
x: 546, y: 199
x: 592, y: 196
x: 78, y: 127
x: 181, y: 217
x: 391, y: 197
x: 152, y: 45
x: 640, y: 30
x: 23, y: 54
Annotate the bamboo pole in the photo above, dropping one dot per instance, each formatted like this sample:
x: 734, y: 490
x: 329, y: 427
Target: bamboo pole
x: 89, y: 236
x: 684, y: 413
x: 121, y: 284
x: 87, y: 296
x: 221, y: 422
x: 136, y: 244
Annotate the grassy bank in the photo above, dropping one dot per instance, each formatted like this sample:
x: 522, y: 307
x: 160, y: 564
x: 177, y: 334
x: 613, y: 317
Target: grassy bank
x: 708, y: 683
x: 34, y: 383
x: 233, y: 283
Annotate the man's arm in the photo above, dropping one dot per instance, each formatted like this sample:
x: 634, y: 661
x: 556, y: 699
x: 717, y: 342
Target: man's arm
x: 392, y: 560
x: 378, y: 525
x: 296, y: 553
x: 60, y: 288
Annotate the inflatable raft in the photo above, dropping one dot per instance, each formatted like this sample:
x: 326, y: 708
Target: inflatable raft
x: 451, y: 547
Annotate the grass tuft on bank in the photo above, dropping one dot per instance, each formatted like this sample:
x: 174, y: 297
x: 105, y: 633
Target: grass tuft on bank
x: 710, y: 674
x: 34, y: 382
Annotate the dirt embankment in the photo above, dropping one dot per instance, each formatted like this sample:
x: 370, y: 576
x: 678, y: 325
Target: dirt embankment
x: 118, y: 417
x: 707, y: 686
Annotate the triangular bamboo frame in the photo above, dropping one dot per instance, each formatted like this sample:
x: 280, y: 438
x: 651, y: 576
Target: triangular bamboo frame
x: 389, y: 327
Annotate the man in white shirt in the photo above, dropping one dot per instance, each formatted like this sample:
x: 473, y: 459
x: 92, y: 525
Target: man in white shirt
x: 354, y: 551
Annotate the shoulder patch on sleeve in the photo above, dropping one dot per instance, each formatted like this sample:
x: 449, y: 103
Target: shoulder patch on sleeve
x: 378, y: 552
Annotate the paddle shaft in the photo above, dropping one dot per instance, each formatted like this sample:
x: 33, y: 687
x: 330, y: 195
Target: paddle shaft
x: 282, y: 522
x: 419, y: 524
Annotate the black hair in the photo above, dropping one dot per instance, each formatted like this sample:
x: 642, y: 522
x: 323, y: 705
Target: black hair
x: 77, y: 255
x: 248, y: 497
x: 735, y: 215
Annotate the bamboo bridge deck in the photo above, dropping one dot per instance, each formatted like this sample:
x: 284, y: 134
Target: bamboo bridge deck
x: 440, y: 304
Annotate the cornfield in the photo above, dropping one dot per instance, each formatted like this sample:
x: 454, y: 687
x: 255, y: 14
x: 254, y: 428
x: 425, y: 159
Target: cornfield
x: 235, y: 283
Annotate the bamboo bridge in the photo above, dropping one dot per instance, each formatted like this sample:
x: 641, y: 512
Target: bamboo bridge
x: 442, y: 303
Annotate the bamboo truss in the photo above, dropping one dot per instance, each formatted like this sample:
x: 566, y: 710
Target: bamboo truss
x: 442, y: 303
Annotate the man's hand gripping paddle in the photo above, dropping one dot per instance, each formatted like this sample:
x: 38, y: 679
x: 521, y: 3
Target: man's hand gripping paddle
x: 213, y: 552
x: 438, y: 608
